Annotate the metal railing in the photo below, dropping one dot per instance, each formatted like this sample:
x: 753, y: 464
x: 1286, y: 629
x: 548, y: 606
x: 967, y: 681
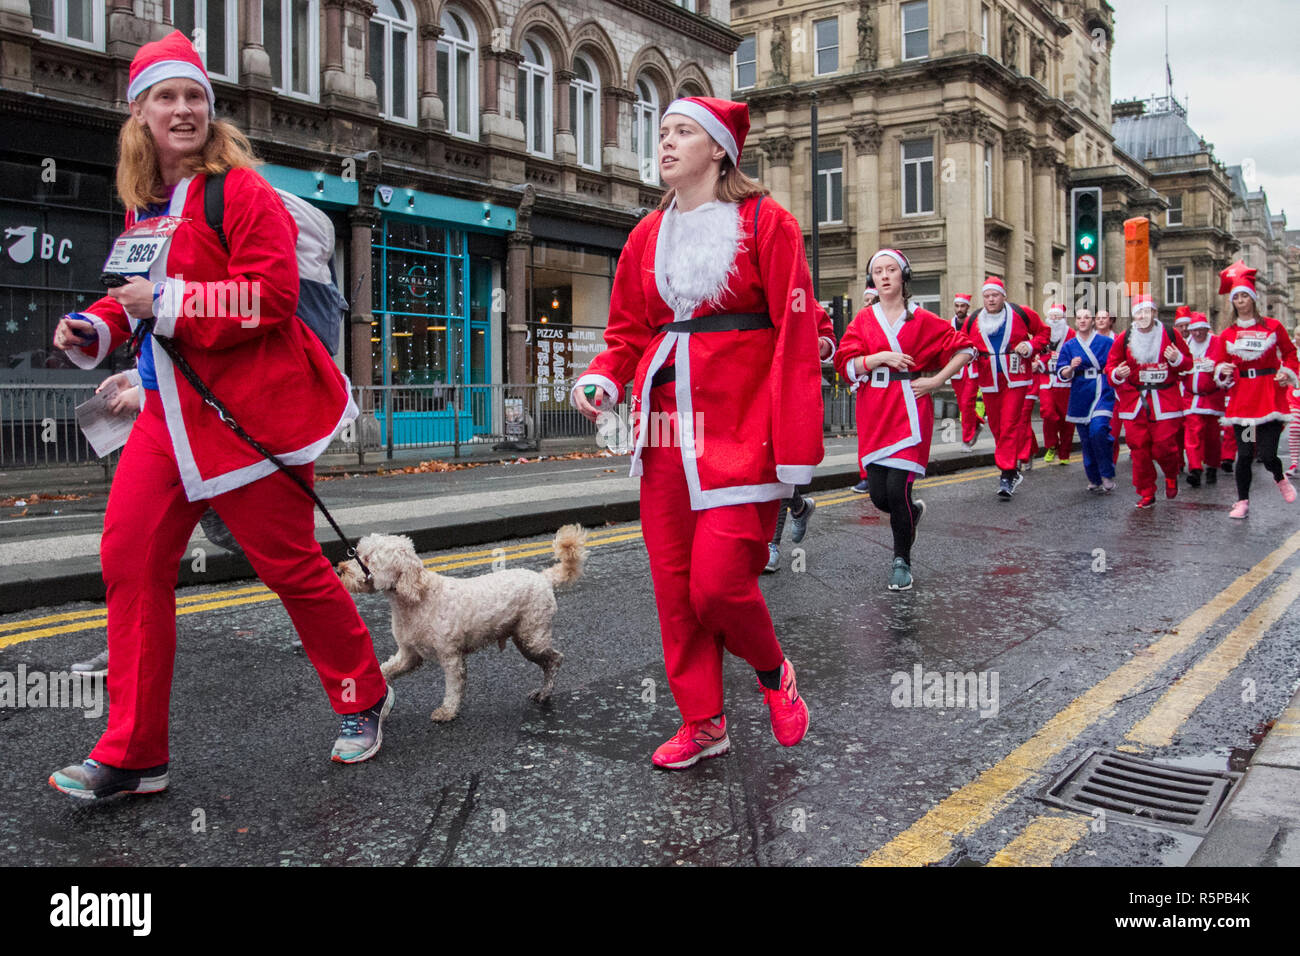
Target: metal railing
x: 38, y: 422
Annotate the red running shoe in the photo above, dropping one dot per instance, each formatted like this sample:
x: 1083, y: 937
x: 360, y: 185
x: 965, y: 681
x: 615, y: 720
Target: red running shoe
x: 1146, y: 501
x: 787, y: 709
x: 694, y: 741
x: 1171, y: 487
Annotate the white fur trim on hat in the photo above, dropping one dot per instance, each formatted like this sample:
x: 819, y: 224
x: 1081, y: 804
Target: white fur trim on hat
x: 897, y: 257
x: 712, y: 125
x: 992, y: 286
x: 1199, y: 324
x: 1243, y: 288
x: 171, y: 70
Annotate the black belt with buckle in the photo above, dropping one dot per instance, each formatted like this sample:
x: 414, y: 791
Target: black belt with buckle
x: 727, y: 322
x: 666, y: 374
x: 1257, y: 372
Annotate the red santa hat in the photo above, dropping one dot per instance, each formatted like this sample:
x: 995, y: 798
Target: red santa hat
x: 891, y: 254
x: 1238, y: 277
x: 1182, y: 312
x: 1056, y: 309
x: 725, y: 121
x: 1199, y: 321
x: 172, y: 57
x: 993, y: 284
x: 1143, y: 301
x: 961, y: 297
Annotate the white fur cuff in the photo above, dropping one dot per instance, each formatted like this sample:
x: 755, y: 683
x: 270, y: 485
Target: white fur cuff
x: 83, y: 358
x: 794, y: 474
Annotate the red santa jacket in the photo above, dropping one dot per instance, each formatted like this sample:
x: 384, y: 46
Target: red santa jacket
x: 895, y: 426
x: 997, y: 365
x: 754, y: 396
x: 1254, y: 354
x: 265, y: 365
x: 1201, y: 393
x: 1046, y: 361
x: 1152, y: 381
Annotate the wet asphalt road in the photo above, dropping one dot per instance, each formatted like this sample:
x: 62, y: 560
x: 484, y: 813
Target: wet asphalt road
x: 1002, y: 589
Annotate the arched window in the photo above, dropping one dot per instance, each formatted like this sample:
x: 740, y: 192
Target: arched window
x: 533, y: 97
x: 391, y: 67
x: 645, y: 130
x: 584, y: 111
x: 458, y: 73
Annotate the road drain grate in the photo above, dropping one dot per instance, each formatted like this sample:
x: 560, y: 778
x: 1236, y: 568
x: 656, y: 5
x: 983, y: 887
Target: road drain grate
x: 1136, y: 790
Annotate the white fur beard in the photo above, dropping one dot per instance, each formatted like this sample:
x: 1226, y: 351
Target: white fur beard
x: 1145, y: 346
x: 1059, y: 329
x: 1198, y: 349
x: 700, y: 255
x: 991, y: 323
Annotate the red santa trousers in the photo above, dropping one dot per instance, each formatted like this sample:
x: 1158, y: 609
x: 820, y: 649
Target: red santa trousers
x: 705, y: 567
x: 147, y: 528
x: 1007, y: 412
x: 1058, y: 434
x: 1201, y: 441
x: 967, y: 392
x: 1150, y: 442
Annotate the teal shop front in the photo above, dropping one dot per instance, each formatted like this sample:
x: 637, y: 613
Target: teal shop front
x: 432, y: 309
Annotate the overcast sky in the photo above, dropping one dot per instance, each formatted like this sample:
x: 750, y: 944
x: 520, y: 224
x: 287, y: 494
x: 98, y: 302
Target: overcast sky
x: 1238, y: 64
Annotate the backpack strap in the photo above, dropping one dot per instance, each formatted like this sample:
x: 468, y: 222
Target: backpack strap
x: 214, y: 206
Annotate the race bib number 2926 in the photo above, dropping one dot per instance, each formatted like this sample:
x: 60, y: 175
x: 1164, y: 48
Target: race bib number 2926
x: 137, y: 249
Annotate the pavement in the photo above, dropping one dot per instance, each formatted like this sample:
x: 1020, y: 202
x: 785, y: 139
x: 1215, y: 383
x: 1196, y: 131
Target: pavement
x: 49, y: 557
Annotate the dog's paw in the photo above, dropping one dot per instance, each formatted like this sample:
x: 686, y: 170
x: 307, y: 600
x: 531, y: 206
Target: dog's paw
x: 442, y: 715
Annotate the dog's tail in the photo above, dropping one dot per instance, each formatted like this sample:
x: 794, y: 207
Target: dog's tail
x: 570, y: 555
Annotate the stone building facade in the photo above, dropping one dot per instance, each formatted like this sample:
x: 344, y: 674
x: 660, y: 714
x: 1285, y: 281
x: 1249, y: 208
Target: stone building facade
x: 949, y: 129
x: 482, y: 162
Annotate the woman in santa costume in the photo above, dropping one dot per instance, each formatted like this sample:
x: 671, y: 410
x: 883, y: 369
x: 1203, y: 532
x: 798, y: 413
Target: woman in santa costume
x: 1079, y: 364
x: 1053, y: 394
x: 898, y: 356
x: 1006, y: 338
x: 1259, y: 367
x: 1205, y: 402
x: 1143, y: 367
x: 713, y: 318
x: 1293, y: 430
x: 181, y: 459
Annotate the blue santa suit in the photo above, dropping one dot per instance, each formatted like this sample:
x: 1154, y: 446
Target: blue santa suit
x: 1092, y: 402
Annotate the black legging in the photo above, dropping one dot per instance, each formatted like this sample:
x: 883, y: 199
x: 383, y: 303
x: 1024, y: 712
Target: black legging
x: 1264, y: 447
x: 891, y: 492
x: 793, y: 503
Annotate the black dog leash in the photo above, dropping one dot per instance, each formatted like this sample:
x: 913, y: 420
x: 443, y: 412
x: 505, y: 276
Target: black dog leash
x: 137, y: 338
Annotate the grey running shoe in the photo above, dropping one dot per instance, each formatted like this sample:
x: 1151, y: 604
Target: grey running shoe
x: 1004, y: 489
x: 799, y: 522
x: 97, y: 666
x: 92, y: 780
x: 773, y: 559
x: 1015, y: 482
x: 861, y: 488
x: 361, y: 734
x: 900, y: 576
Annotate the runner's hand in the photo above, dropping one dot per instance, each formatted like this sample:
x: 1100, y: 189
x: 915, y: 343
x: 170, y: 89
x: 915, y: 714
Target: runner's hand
x: 1171, y: 353
x: 1122, y: 371
x: 586, y: 408
x: 136, y: 297
x: 74, y: 333
x: 1076, y: 362
x: 895, y: 360
x: 924, y: 386
x: 1023, y: 349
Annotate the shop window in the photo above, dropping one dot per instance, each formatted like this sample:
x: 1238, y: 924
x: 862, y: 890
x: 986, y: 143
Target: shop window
x: 291, y: 36
x: 457, y: 73
x: 392, y: 66
x: 78, y: 22
x: 211, y: 24
x: 584, y: 111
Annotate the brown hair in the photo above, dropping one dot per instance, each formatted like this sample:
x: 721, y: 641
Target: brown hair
x: 139, y: 176
x: 733, y: 186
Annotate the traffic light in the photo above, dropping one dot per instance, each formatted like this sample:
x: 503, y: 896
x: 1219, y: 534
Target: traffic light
x: 1085, y: 230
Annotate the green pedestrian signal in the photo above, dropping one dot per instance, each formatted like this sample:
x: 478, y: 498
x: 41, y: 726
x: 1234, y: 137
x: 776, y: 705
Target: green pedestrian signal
x: 1085, y: 230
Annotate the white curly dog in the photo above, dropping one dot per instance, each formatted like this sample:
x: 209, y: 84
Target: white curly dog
x: 442, y: 618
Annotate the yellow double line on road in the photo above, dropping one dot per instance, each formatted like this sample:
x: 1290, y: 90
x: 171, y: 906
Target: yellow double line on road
x: 18, y: 632
x: 930, y: 839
